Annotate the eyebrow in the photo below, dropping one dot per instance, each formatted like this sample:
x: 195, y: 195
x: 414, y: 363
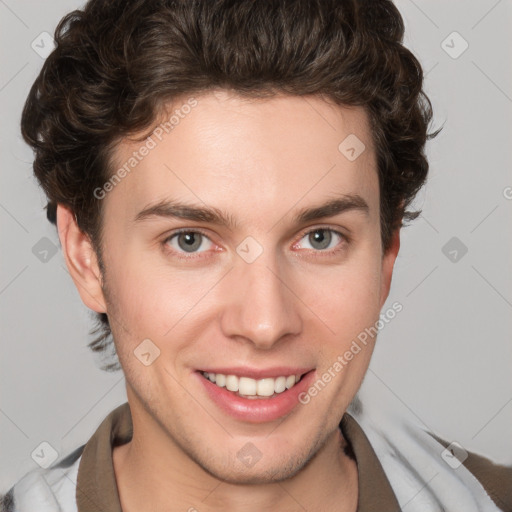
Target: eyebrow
x: 180, y: 210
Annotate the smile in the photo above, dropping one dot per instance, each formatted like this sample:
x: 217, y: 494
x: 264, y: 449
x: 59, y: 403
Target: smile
x: 251, y: 388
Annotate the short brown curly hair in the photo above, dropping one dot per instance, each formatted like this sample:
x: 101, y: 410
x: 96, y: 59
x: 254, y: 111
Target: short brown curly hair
x: 118, y: 62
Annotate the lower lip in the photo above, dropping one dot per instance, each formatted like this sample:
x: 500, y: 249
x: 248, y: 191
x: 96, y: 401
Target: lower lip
x: 257, y: 410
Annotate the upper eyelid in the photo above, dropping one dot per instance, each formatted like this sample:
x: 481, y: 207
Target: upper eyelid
x: 326, y: 228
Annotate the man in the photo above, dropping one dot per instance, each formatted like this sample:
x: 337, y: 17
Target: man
x: 229, y: 181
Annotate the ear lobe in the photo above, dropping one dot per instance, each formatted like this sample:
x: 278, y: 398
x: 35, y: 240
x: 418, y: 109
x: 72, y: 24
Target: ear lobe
x: 81, y: 260
x: 388, y: 262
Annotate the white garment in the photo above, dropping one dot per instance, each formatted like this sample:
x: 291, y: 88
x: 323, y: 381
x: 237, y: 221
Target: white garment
x: 47, y: 490
x: 411, y: 458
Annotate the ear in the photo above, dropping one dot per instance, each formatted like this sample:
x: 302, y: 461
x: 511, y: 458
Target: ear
x: 81, y: 260
x: 388, y: 263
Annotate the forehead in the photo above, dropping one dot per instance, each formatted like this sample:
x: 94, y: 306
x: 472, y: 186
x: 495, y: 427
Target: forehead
x: 220, y: 149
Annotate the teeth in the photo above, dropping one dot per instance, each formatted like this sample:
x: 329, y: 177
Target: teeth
x: 250, y: 388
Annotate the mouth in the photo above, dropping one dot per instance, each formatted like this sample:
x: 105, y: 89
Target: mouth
x: 253, y: 389
x: 255, y: 396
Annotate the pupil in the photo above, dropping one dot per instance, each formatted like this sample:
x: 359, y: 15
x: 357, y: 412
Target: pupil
x: 191, y: 243
x: 319, y: 237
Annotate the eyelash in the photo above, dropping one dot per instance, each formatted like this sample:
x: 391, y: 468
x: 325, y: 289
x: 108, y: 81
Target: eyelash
x: 345, y: 240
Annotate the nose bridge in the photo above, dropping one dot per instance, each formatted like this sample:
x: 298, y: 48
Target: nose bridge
x: 261, y: 307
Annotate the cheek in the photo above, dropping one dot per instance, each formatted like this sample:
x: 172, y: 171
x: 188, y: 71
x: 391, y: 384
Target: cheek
x: 155, y: 300
x: 346, y: 299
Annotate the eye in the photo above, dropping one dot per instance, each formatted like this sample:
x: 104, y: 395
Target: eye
x: 187, y: 241
x: 322, y: 239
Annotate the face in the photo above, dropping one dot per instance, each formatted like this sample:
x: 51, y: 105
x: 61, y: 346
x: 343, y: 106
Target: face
x: 261, y: 284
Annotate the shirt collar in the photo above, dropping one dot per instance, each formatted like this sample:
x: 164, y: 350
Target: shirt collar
x: 96, y: 489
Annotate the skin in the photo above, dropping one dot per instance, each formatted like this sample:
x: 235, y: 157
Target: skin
x: 260, y: 161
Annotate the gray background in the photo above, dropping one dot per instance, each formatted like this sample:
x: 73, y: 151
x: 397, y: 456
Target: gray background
x: 446, y: 357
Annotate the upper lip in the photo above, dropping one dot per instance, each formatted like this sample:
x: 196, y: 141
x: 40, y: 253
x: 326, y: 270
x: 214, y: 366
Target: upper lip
x: 259, y: 373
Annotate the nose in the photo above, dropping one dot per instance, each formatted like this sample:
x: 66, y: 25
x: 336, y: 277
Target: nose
x: 261, y: 305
